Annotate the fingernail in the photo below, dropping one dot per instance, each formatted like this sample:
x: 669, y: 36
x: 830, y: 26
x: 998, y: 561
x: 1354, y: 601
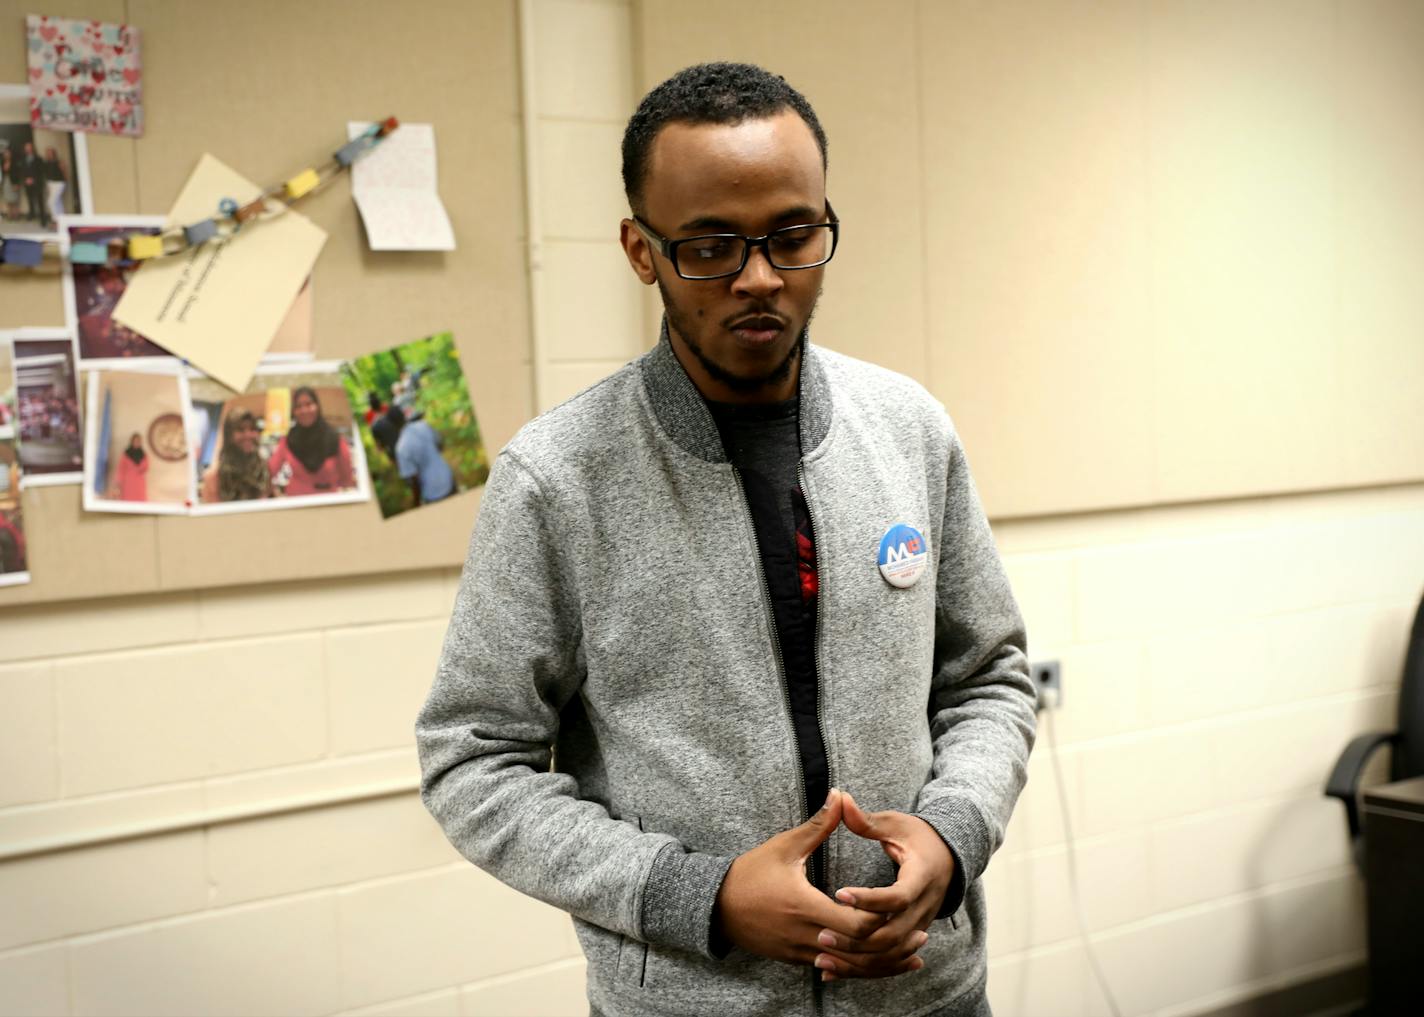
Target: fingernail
x: 825, y: 938
x: 923, y: 937
x: 825, y: 963
x: 845, y: 896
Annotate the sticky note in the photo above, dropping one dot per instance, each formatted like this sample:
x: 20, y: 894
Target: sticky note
x: 141, y: 247
x: 84, y: 253
x: 22, y: 252
x: 200, y: 232
x: 395, y: 188
x: 303, y: 183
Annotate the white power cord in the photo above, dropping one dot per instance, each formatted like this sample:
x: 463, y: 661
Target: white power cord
x: 1049, y: 699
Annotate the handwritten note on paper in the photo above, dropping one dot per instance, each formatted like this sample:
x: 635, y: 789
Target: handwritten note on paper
x: 395, y: 188
x: 219, y: 305
x: 84, y: 76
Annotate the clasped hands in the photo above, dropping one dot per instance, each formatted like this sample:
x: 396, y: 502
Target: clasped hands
x: 767, y: 906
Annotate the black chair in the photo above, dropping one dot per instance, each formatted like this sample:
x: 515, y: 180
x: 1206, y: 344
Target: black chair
x: 1406, y: 742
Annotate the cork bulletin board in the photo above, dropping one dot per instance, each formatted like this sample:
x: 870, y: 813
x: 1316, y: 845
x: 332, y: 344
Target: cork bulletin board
x: 268, y: 88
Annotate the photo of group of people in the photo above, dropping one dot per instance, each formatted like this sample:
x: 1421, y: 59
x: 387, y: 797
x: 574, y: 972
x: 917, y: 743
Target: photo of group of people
x: 43, y: 174
x: 153, y: 435
x: 417, y: 425
x: 289, y: 441
x: 47, y: 417
x: 164, y: 439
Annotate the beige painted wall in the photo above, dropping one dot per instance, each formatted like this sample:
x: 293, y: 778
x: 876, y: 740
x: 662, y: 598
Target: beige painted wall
x: 1216, y: 657
x: 1146, y: 252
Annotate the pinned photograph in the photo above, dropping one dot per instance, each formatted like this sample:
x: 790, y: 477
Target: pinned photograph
x: 43, y: 173
x: 136, y: 443
x: 289, y: 441
x: 91, y: 292
x: 47, y: 408
x: 417, y: 425
x: 14, y: 565
x: 8, y: 414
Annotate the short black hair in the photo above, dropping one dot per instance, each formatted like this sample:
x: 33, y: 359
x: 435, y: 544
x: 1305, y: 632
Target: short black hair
x: 715, y: 93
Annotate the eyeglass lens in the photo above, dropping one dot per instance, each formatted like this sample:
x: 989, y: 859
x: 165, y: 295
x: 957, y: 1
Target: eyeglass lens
x: 799, y: 247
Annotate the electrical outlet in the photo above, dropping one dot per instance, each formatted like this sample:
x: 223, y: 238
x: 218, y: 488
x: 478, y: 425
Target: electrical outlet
x: 1048, y: 678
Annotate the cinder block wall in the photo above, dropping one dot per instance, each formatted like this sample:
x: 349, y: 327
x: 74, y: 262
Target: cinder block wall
x: 1215, y: 660
x: 214, y: 792
x: 285, y: 713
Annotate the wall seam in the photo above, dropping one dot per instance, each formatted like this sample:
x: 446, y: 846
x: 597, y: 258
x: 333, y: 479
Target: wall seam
x: 181, y: 822
x: 927, y: 330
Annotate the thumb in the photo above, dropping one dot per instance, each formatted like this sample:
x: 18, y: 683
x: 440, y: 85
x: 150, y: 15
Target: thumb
x: 857, y: 821
x: 802, y: 840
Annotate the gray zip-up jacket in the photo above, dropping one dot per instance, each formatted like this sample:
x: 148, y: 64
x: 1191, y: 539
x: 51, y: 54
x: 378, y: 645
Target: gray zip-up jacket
x: 609, y: 726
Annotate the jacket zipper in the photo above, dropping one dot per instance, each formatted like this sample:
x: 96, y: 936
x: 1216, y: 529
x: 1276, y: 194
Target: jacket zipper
x: 821, y: 853
x: 817, y: 987
x: 776, y: 646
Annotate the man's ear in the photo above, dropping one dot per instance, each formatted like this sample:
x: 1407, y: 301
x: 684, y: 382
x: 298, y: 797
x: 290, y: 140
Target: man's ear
x: 640, y: 255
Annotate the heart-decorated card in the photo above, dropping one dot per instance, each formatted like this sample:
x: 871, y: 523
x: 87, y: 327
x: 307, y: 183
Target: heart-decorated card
x: 84, y: 76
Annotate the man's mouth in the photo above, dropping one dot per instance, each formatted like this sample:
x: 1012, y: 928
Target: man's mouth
x: 758, y: 328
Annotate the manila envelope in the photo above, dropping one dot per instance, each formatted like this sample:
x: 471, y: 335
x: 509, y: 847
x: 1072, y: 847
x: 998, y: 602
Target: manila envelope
x: 219, y: 305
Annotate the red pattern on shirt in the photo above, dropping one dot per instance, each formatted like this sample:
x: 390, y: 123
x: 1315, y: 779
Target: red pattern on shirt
x: 805, y: 551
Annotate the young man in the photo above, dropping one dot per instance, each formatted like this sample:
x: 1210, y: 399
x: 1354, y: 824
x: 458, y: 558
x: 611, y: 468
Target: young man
x: 32, y: 176
x: 418, y: 459
x: 738, y: 574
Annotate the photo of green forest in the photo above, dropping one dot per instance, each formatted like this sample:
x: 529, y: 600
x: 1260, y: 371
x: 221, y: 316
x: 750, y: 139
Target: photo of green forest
x: 418, y: 428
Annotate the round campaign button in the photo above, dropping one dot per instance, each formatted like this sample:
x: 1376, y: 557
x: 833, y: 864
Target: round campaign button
x: 904, y: 553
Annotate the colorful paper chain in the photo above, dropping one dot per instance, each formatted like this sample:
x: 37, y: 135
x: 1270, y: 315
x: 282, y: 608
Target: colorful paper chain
x: 126, y: 251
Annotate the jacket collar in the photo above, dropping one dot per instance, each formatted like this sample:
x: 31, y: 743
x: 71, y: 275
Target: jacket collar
x: 684, y: 415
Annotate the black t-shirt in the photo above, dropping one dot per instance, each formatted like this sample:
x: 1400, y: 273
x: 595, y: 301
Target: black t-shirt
x: 763, y: 442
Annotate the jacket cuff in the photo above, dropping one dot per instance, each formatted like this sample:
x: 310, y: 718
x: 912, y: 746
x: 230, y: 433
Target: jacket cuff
x: 962, y: 828
x: 954, y: 896
x: 679, y: 897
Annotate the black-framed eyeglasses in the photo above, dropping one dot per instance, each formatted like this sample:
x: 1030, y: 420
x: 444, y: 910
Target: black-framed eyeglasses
x: 718, y: 255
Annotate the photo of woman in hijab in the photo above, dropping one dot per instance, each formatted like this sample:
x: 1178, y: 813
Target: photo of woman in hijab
x: 240, y: 474
x: 313, y: 457
x: 131, y: 474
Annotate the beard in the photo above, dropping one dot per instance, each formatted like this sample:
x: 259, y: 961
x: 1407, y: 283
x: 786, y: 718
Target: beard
x: 739, y: 383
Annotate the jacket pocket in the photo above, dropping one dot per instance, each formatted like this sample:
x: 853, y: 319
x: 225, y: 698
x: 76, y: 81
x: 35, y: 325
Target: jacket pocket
x: 632, y: 953
x: 632, y: 962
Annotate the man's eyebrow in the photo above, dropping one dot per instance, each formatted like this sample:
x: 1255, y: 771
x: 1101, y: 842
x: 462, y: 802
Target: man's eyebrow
x: 709, y: 222
x: 792, y: 216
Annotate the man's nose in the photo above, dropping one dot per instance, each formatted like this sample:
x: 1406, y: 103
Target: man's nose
x: 757, y: 277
